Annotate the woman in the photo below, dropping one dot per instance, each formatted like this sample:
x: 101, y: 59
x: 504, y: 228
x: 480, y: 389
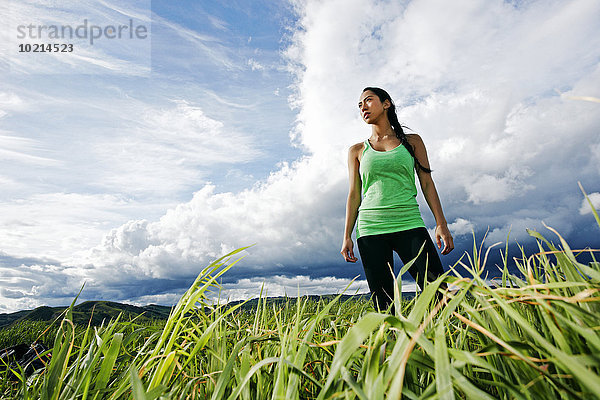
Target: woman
x: 382, y: 170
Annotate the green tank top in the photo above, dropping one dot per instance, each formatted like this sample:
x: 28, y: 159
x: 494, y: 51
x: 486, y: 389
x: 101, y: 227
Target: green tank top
x: 389, y: 192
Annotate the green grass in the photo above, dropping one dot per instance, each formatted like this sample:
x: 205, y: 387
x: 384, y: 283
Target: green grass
x: 27, y: 332
x: 530, y: 337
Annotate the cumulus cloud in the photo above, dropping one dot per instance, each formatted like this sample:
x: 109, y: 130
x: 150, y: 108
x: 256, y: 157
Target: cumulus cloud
x: 490, y: 188
x: 289, y: 217
x: 461, y: 226
x: 516, y: 229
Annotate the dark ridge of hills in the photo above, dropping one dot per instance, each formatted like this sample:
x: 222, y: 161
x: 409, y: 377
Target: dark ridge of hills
x: 43, y: 313
x: 94, y: 311
x: 98, y: 311
x: 7, y: 319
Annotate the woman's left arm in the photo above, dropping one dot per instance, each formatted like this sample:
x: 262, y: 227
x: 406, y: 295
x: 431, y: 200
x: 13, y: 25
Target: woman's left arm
x: 431, y: 195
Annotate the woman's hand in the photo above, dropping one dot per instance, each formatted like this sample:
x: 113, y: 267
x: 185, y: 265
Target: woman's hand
x: 347, y: 250
x: 442, y: 232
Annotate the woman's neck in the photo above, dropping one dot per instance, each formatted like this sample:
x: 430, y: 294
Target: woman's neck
x: 382, y: 131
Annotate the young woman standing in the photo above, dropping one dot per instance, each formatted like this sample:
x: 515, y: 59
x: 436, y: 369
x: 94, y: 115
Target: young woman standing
x: 382, y: 201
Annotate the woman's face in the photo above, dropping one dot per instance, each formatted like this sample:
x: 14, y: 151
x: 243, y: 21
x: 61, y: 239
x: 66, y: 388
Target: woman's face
x: 371, y: 108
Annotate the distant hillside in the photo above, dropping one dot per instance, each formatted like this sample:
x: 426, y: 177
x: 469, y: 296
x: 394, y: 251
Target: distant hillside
x: 7, y: 319
x: 98, y: 311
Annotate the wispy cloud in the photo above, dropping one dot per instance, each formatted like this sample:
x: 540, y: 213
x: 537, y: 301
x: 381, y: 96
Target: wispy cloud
x: 200, y: 47
x: 168, y: 148
x: 20, y: 149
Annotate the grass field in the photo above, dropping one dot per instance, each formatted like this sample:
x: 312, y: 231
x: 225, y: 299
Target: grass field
x: 530, y: 337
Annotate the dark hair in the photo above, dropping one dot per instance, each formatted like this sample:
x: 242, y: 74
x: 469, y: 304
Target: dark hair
x: 393, y: 118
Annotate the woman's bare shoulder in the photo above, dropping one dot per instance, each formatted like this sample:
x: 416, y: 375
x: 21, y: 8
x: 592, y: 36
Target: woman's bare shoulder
x: 414, y: 138
x: 357, y: 148
x: 415, y: 141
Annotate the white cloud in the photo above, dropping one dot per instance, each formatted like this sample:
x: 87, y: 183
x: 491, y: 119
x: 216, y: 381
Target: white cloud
x: 142, y: 156
x: 205, y: 46
x: 490, y: 188
x: 461, y: 226
x: 289, y: 217
x: 514, y: 230
x: 59, y: 225
x: 23, y: 286
x: 168, y: 149
x: 218, y: 23
x: 255, y: 65
x: 585, y: 204
x: 10, y: 101
x: 127, y: 145
x: 19, y: 149
x: 9, y: 183
x: 276, y: 286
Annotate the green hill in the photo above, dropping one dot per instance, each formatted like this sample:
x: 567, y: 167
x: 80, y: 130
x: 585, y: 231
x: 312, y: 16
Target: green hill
x: 96, y: 311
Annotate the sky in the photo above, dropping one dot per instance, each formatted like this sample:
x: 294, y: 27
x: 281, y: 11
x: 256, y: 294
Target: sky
x: 130, y: 163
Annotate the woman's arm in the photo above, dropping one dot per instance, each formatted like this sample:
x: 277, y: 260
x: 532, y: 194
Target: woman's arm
x: 431, y: 195
x: 352, y: 203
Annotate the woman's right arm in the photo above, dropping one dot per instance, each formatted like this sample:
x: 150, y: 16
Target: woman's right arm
x: 352, y: 203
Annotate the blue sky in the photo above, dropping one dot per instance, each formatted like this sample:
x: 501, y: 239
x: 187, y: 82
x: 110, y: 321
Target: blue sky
x: 130, y: 164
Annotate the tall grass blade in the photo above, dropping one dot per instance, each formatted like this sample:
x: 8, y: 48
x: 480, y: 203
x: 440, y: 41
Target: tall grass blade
x: 443, y: 381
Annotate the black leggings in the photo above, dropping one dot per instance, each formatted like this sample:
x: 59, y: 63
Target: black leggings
x: 376, y: 252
